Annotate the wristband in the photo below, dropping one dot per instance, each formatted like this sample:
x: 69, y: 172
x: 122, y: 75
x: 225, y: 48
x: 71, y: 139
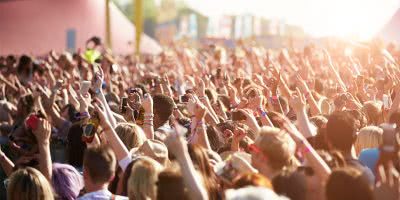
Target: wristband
x: 97, y: 91
x: 202, y: 97
x: 262, y: 112
x: 82, y: 115
x: 151, y: 115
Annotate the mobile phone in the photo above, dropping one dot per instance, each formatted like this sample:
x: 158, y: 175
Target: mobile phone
x: 184, y: 99
x: 238, y: 116
x: 124, y: 103
x: 385, y: 100
x: 32, y: 122
x: 90, y: 128
x: 85, y: 86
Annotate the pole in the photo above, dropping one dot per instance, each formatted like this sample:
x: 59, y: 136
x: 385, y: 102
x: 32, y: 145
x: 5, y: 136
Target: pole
x: 108, y: 24
x: 138, y: 21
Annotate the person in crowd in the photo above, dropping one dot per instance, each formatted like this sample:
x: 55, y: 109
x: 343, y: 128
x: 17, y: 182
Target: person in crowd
x: 201, y: 123
x: 99, y: 165
x: 28, y: 183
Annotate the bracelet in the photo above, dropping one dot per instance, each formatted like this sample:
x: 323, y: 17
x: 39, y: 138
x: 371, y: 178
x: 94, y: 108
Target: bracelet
x: 149, y: 115
x: 148, y: 124
x: 97, y: 91
x: 201, y: 127
x: 82, y: 115
x: 262, y: 112
x: 202, y: 97
x: 305, y: 149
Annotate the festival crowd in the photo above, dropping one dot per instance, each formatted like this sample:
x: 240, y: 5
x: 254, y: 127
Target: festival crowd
x: 317, y: 123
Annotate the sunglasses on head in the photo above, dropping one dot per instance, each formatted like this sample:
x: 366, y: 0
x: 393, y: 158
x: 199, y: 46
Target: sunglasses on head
x: 253, y: 148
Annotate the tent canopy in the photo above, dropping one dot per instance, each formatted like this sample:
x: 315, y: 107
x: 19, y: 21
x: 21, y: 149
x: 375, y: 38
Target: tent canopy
x: 38, y: 26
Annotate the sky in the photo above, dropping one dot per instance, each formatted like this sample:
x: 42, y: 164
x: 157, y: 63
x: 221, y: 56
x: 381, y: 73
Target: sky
x: 345, y: 18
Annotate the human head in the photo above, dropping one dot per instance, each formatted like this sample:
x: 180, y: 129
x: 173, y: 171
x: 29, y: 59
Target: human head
x: 131, y: 135
x: 75, y: 146
x: 67, y: 181
x: 290, y: 183
x: 143, y: 178
x: 98, y: 166
x: 276, y: 151
x: 163, y: 107
x: 368, y: 137
x: 251, y: 179
x: 348, y: 183
x: 341, y: 131
x: 24, y: 64
x: 170, y: 184
x: 155, y: 150
x: 28, y: 183
x: 373, y: 111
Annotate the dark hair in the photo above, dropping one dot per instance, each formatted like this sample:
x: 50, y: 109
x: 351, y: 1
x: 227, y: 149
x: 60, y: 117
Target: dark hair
x: 100, y: 162
x: 71, y: 112
x: 340, y: 131
x: 348, y: 183
x: 23, y: 64
x: 163, y: 107
x: 214, y: 138
x: 75, y: 146
x: 170, y: 185
x: 290, y: 183
x: 319, y: 141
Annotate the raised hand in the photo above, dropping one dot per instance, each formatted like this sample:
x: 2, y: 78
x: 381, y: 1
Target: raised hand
x: 43, y: 131
x: 298, y: 101
x: 147, y: 103
x: 388, y: 186
x: 177, y: 145
x: 98, y: 79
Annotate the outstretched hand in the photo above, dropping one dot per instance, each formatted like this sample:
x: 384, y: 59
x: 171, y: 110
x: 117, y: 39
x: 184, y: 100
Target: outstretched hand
x: 43, y: 131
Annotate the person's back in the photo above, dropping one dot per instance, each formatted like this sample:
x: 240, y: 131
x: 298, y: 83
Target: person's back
x: 99, y: 165
x: 341, y: 135
x: 348, y: 184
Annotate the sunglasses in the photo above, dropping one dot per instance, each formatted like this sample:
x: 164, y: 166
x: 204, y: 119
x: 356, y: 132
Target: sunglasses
x: 253, y: 148
x: 306, y: 170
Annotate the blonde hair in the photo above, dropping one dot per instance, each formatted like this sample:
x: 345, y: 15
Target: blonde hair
x: 131, y: 135
x: 28, y: 183
x: 277, y: 145
x: 373, y: 111
x: 143, y: 179
x: 368, y: 137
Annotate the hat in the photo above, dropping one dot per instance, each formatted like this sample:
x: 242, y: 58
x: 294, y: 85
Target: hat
x: 153, y: 149
x: 238, y: 161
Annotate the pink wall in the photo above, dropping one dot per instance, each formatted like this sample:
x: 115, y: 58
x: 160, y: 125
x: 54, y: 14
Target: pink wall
x: 37, y: 26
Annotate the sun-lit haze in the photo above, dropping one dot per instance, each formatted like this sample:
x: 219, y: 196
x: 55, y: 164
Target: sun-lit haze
x: 347, y: 18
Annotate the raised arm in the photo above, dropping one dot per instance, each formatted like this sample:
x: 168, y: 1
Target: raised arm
x: 148, y: 125
x: 115, y: 142
x: 97, y: 86
x: 42, y: 134
x: 193, y: 181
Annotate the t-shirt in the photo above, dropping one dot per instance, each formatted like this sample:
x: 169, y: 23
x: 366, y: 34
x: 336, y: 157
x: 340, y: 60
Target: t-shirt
x: 366, y: 172
x: 369, y: 157
x: 102, y: 195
